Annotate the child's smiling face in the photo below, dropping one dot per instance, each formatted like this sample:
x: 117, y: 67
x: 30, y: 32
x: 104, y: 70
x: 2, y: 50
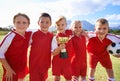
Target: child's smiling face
x: 44, y: 23
x: 61, y: 25
x: 21, y: 23
x: 101, y: 29
x: 77, y: 27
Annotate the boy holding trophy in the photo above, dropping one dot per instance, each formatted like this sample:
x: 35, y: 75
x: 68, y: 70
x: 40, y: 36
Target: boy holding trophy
x: 61, y: 50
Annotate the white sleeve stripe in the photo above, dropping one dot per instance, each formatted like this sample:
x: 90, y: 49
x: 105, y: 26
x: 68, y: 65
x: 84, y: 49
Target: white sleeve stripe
x: 54, y: 44
x: 117, y: 36
x: 5, y: 38
x: 113, y: 38
x: 5, y: 44
x: 31, y: 38
x: 91, y: 34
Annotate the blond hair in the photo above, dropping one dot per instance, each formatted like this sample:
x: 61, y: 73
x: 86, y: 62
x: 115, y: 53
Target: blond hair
x: 74, y: 22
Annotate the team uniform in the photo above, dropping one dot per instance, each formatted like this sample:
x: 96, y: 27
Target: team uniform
x: 40, y: 55
x: 62, y: 66
x: 79, y: 63
x: 97, y: 50
x: 14, y: 49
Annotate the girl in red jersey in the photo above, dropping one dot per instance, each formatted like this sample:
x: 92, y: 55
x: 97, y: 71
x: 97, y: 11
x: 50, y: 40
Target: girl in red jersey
x: 79, y: 63
x: 40, y: 53
x: 97, y: 49
x: 61, y: 62
x: 13, y: 50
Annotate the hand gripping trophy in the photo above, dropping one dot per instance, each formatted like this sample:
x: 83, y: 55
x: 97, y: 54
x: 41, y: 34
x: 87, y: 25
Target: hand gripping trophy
x: 63, y: 40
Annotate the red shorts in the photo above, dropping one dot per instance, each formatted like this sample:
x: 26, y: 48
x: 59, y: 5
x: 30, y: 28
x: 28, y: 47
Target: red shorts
x: 79, y: 69
x: 105, y: 61
x: 38, y: 74
x: 62, y: 68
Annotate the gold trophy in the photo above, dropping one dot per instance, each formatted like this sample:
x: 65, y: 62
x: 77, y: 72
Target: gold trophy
x: 63, y: 40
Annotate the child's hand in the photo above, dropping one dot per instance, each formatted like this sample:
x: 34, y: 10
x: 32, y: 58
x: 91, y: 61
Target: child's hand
x: 58, y: 42
x: 118, y: 56
x: 9, y: 74
x: 58, y: 50
x: 62, y: 46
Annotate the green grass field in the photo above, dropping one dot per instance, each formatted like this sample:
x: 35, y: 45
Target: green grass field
x: 100, y: 74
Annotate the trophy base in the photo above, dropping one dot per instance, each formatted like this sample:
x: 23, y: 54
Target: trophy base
x: 63, y: 55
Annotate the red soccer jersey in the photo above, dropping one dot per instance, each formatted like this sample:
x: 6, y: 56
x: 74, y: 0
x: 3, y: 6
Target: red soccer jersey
x: 79, y: 45
x: 63, y: 65
x: 97, y: 47
x: 69, y: 47
x: 14, y: 49
x: 98, y: 53
x: 40, y: 54
x: 79, y: 63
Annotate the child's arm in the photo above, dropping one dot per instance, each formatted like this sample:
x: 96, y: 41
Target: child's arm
x: 91, y: 34
x: 113, y: 38
x: 55, y: 48
x: 9, y: 70
x: 30, y: 41
x: 3, y: 48
x: 58, y: 49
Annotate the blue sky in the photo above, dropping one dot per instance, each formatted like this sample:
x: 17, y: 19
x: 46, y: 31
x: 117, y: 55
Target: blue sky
x: 89, y: 10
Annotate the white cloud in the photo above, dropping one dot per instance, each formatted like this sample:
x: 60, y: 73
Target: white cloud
x: 113, y: 19
x: 54, y: 8
x: 116, y: 2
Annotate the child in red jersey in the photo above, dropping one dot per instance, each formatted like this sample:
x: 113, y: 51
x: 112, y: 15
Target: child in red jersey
x: 40, y: 53
x: 79, y: 63
x: 13, y: 50
x: 97, y: 49
x: 61, y: 62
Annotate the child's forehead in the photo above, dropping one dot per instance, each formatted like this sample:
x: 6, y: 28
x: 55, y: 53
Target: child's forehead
x: 102, y: 26
x: 44, y: 18
x: 21, y: 18
x: 76, y: 23
x: 61, y: 21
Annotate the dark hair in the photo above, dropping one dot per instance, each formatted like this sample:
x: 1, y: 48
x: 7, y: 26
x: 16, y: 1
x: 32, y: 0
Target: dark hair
x: 21, y: 14
x: 45, y: 15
